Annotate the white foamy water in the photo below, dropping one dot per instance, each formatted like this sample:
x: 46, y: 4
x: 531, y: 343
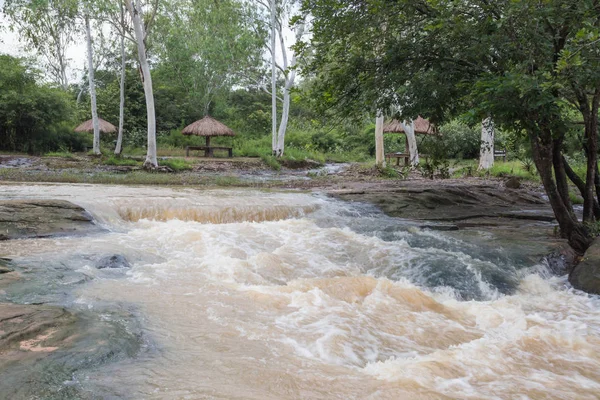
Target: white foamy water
x: 269, y: 295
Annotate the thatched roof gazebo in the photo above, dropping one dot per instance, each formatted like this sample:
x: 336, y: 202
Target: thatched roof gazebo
x: 422, y: 127
x: 88, y: 126
x: 208, y: 127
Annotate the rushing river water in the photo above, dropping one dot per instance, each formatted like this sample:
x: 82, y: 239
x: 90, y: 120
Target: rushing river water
x: 269, y: 295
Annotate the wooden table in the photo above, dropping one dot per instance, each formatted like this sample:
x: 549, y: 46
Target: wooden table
x: 397, y: 156
x: 208, y: 150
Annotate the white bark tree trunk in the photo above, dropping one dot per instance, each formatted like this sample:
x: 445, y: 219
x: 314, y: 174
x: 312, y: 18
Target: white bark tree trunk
x: 289, y: 84
x: 409, y: 131
x: 134, y: 12
x: 379, y: 150
x: 119, y: 146
x: 273, y: 81
x: 95, y: 123
x: 285, y: 114
x: 486, y: 157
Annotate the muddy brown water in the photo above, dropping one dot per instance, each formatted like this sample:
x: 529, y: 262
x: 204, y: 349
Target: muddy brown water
x: 245, y: 294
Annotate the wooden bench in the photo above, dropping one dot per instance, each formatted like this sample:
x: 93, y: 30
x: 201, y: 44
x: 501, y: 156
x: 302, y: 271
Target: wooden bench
x: 405, y: 156
x: 397, y: 156
x: 208, y: 150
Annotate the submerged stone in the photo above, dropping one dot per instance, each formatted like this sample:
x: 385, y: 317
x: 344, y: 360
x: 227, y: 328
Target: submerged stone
x: 114, y: 261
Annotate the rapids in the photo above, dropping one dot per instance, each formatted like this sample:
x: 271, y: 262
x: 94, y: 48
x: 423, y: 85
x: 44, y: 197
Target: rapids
x: 246, y: 294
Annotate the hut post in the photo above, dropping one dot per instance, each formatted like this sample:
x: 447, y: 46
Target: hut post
x: 207, y: 151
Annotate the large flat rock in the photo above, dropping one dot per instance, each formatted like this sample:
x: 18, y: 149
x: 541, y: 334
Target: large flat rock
x: 43, y: 218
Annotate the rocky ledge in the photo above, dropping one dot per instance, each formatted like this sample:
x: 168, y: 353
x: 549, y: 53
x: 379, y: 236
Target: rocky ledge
x: 43, y: 218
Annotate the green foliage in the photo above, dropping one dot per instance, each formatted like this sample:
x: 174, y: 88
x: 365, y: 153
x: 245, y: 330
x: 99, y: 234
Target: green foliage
x: 114, y: 160
x: 271, y: 161
x: 60, y: 154
x: 176, y: 164
x: 435, y: 167
x: 34, y: 118
x: 388, y: 172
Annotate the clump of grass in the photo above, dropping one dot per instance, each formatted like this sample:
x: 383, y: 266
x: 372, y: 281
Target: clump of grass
x: 61, y: 154
x: 271, y: 161
x: 114, y: 160
x: 575, y: 198
x: 512, y: 168
x: 176, y: 164
x: 388, y: 172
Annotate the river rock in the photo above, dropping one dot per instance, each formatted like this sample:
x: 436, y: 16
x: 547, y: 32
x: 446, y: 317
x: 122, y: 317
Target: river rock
x: 43, y: 218
x: 114, y: 261
x: 513, y: 183
x: 586, y: 275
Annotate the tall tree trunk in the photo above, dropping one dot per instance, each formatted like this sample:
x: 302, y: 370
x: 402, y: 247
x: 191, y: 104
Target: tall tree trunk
x: 570, y: 228
x: 591, y: 134
x: 273, y: 82
x: 379, y: 151
x: 560, y: 174
x: 486, y: 157
x: 95, y: 123
x: 289, y: 84
x: 285, y: 113
x: 580, y: 184
x: 151, y: 159
x: 409, y: 131
x: 119, y: 146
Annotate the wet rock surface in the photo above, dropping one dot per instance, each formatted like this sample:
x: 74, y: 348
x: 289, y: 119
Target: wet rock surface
x: 42, y: 347
x: 43, y: 218
x: 586, y: 275
x: 490, y: 215
x: 114, y: 261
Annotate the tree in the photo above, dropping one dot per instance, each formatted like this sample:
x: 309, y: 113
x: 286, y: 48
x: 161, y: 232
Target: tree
x: 204, y: 49
x: 34, y: 117
x: 280, y: 12
x: 90, y: 57
x: 50, y: 27
x: 486, y: 156
x: 523, y: 61
x: 140, y: 37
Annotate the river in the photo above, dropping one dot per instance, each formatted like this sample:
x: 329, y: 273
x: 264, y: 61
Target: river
x: 247, y: 294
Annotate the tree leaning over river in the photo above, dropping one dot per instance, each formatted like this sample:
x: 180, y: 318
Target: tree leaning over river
x: 525, y: 62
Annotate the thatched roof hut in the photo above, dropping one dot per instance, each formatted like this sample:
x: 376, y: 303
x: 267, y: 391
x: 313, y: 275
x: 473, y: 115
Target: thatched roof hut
x: 208, y: 126
x: 88, y: 126
x: 422, y: 126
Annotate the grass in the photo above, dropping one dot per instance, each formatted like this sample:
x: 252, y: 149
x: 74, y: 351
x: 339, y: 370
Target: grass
x: 575, y: 198
x: 131, y: 178
x: 176, y: 164
x: 120, y: 161
x: 271, y: 161
x: 61, y: 154
x: 501, y: 169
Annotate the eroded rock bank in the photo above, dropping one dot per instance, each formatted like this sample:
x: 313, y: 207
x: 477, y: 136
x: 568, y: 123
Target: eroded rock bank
x: 488, y: 214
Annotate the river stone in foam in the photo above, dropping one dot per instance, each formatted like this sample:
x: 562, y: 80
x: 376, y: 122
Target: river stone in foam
x: 114, y: 261
x: 586, y: 275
